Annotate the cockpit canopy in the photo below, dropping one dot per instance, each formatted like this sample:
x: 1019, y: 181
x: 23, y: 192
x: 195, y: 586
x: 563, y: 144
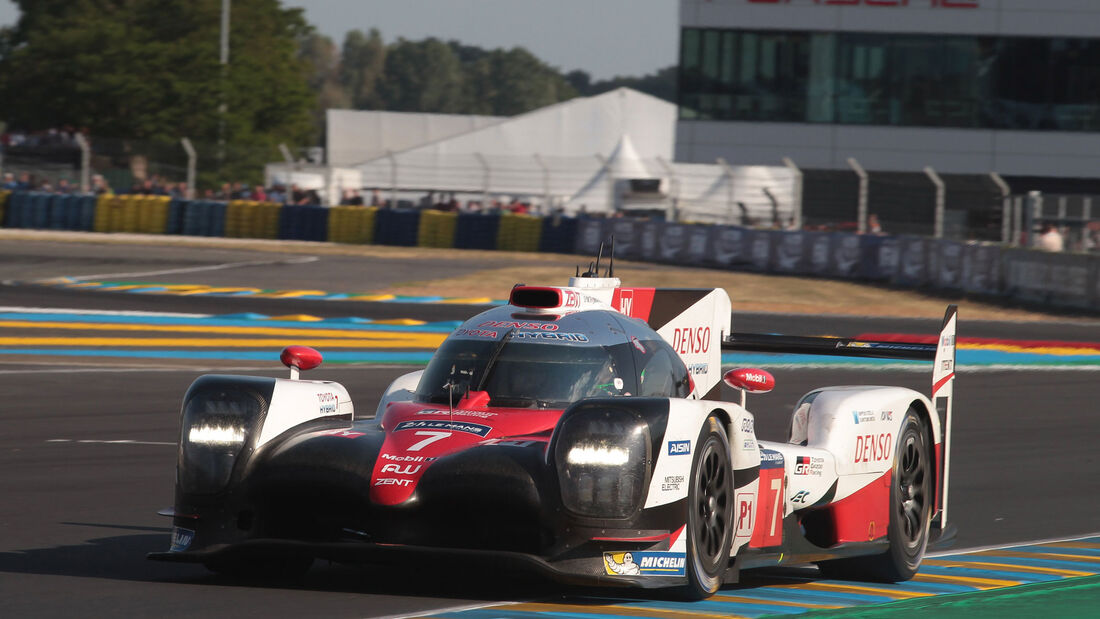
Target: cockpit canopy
x: 527, y: 361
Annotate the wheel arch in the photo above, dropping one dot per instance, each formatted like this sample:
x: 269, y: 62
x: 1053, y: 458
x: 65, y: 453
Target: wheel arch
x: 925, y: 416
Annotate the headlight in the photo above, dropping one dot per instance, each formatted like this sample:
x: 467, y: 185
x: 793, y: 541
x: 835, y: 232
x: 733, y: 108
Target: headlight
x: 214, y: 429
x: 601, y: 456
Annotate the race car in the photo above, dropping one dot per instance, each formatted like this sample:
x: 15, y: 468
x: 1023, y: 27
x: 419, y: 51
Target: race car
x: 576, y: 432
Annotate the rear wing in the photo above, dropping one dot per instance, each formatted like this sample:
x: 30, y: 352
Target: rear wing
x: 941, y: 353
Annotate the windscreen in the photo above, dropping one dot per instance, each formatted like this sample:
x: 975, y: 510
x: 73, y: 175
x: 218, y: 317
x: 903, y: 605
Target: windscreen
x: 523, y: 374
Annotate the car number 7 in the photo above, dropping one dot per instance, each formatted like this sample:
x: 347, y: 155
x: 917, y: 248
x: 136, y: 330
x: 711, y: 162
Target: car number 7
x: 433, y: 436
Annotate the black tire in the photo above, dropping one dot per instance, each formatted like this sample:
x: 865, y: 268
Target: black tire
x: 710, y: 512
x: 911, y: 501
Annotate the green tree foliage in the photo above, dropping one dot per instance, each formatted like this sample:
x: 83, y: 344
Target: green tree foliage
x: 423, y: 76
x: 149, y: 70
x: 363, y: 62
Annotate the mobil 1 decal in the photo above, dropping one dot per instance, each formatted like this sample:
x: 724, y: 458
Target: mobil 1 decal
x: 768, y: 527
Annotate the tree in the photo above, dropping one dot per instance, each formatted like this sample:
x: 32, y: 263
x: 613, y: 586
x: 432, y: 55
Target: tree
x: 506, y: 83
x: 423, y: 76
x: 324, y: 69
x: 149, y: 70
x: 362, y: 64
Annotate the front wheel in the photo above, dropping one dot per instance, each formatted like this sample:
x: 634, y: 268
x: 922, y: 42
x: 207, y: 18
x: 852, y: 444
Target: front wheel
x: 710, y: 512
x: 910, y: 512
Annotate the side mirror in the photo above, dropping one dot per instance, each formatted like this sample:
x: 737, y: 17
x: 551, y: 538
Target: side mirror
x: 300, y: 358
x: 749, y: 380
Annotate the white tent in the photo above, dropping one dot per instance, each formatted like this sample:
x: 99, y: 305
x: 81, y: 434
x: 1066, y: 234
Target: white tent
x: 552, y: 153
x: 356, y: 136
x: 578, y: 153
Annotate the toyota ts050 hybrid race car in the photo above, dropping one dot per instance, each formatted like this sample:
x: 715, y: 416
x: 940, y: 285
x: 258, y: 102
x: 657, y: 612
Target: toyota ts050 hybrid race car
x: 576, y: 432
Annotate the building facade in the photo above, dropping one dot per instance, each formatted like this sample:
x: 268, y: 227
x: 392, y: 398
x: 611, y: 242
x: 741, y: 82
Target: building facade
x: 963, y: 86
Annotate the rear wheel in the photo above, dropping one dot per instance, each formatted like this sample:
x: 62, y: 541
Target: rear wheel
x: 910, y: 512
x: 710, y: 511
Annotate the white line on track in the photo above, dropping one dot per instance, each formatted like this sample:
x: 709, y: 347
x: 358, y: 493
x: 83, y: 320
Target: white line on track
x: 1034, y: 542
x: 209, y: 267
x: 449, y: 609
x: 108, y: 442
x: 65, y: 310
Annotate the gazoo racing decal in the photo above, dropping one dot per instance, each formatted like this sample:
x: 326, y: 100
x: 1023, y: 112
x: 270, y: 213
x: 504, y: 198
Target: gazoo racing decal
x: 809, y: 465
x: 457, y: 413
x: 644, y: 563
x: 441, y: 424
x: 679, y: 448
x: 874, y: 447
x: 691, y: 340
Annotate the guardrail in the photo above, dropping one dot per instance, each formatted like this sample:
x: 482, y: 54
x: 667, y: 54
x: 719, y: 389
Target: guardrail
x: 1054, y: 279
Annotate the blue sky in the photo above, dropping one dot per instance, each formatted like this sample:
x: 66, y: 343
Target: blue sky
x: 604, y: 37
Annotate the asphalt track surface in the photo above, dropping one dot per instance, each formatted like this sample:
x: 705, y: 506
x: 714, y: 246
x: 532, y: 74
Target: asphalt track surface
x: 77, y: 507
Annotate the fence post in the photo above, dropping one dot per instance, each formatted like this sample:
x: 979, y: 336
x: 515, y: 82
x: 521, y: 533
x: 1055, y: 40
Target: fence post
x: 796, y: 193
x: 1033, y: 211
x: 547, y: 207
x: 727, y: 170
x: 673, y: 182
x: 287, y: 157
x: 1017, y: 220
x: 1006, y: 205
x: 85, y: 163
x: 192, y: 161
x: 941, y: 194
x: 487, y: 179
x: 393, y: 178
x: 861, y: 204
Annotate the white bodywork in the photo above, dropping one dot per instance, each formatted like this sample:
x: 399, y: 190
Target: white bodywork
x: 296, y: 401
x: 401, y: 389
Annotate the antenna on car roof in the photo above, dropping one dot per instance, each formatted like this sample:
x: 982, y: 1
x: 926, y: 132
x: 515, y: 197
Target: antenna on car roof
x: 611, y: 265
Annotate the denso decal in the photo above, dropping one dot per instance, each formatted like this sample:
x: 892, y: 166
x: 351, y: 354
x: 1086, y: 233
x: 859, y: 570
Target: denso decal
x: 399, y: 469
x: 644, y: 563
x: 691, y: 340
x: 809, y: 465
x: 554, y: 337
x: 181, y: 539
x: 343, y: 433
x: 874, y: 447
x: 457, y: 413
x: 328, y: 403
x: 530, y: 326
x: 440, y: 424
x: 679, y: 448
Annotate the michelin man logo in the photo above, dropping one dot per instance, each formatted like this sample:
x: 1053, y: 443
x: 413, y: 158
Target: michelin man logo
x: 624, y: 566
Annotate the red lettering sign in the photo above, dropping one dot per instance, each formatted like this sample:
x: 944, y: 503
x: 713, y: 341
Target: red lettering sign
x: 874, y: 448
x: 693, y: 340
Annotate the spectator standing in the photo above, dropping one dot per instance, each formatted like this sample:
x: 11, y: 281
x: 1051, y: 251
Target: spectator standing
x: 9, y: 182
x: 1050, y: 239
x: 258, y: 194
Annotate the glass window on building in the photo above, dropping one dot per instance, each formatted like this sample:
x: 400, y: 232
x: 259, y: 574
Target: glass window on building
x: 890, y: 79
